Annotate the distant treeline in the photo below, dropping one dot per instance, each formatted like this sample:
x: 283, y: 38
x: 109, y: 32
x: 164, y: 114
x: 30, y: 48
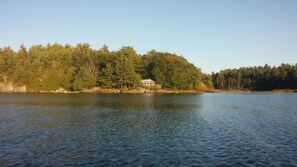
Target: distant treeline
x: 81, y: 67
x: 257, y: 78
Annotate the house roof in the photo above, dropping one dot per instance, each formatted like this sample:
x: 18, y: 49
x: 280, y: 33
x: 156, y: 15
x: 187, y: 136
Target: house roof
x: 145, y: 80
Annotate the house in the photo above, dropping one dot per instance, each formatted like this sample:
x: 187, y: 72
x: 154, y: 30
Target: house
x: 149, y: 83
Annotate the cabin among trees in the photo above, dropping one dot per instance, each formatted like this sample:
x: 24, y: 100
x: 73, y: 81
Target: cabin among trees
x: 150, y: 83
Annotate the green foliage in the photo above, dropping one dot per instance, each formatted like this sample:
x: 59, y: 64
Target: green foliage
x: 81, y: 67
x: 84, y: 79
x: 36, y: 85
x: 125, y: 72
x: 106, y: 77
x: 52, y: 81
x: 202, y: 87
x: 257, y: 78
x: 207, y: 80
x: 171, y: 71
x: 67, y: 79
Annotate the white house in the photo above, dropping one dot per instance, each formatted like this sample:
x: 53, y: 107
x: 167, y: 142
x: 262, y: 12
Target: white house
x: 149, y: 83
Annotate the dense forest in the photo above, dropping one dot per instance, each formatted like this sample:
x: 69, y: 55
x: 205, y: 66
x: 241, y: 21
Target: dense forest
x: 50, y: 67
x: 257, y: 78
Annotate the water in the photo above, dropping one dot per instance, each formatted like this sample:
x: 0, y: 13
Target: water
x: 148, y: 130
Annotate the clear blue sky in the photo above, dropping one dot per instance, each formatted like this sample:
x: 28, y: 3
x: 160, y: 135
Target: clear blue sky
x: 212, y: 34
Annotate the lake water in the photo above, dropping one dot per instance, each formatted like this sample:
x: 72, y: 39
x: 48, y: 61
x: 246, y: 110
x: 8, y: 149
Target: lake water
x: 252, y: 129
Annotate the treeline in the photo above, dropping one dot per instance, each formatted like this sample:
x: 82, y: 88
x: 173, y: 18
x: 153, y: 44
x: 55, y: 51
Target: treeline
x: 257, y: 78
x: 81, y: 67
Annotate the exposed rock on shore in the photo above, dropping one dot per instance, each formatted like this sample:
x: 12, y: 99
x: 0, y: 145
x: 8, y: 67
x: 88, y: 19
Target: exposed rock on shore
x: 61, y: 90
x: 8, y: 87
x: 100, y: 90
x: 134, y: 90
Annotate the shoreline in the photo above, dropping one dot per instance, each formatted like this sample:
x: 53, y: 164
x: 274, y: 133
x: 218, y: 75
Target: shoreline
x: 98, y: 90
x: 255, y: 91
x: 142, y: 90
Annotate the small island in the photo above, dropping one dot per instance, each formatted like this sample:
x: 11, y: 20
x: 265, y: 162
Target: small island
x: 64, y: 68
x: 60, y: 68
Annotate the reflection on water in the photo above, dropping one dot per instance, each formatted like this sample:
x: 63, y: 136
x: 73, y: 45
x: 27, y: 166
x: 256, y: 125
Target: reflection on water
x: 148, y: 129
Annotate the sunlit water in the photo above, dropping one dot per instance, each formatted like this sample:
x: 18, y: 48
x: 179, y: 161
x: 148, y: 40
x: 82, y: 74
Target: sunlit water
x: 148, y: 130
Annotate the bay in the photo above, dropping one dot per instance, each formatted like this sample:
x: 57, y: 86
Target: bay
x: 242, y: 129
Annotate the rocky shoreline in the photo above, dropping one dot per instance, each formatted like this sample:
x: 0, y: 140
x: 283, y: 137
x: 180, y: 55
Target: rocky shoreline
x: 135, y: 90
x: 8, y: 87
x: 11, y: 88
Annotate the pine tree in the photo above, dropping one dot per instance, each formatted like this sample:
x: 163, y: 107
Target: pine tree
x: 84, y: 79
x: 106, y: 77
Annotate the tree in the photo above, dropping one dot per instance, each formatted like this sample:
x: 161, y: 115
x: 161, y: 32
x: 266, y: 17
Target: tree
x: 257, y: 78
x: 84, y: 79
x: 125, y: 75
x: 106, y: 77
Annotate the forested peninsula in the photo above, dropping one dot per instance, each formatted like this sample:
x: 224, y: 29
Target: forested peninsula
x: 66, y: 68
x: 53, y: 67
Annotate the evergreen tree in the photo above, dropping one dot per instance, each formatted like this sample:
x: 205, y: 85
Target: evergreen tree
x: 106, y: 77
x: 84, y: 79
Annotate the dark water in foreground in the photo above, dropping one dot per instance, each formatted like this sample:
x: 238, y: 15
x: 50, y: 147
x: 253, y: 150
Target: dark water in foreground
x: 148, y: 130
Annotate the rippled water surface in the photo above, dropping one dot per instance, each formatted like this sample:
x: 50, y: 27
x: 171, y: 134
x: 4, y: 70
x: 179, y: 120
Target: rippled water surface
x: 148, y: 130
